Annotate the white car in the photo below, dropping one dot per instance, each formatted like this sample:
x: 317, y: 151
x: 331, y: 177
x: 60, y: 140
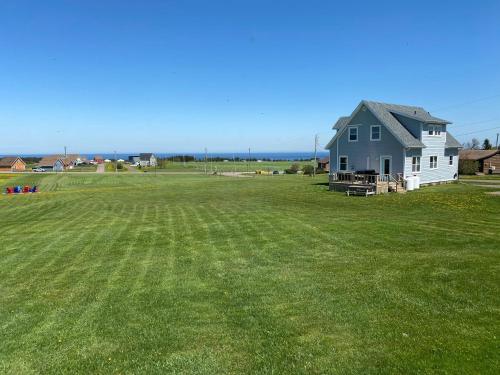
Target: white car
x: 38, y: 170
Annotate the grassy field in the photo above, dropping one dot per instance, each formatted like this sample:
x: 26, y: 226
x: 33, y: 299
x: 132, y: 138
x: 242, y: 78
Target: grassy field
x: 136, y: 273
x: 481, y: 177
x: 84, y: 168
x: 230, y: 166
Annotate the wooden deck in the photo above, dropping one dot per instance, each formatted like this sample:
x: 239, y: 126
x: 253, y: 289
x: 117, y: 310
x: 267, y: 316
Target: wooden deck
x: 351, y: 182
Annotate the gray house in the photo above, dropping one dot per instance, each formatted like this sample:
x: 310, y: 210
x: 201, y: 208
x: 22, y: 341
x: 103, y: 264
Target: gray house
x: 147, y: 160
x: 398, y: 141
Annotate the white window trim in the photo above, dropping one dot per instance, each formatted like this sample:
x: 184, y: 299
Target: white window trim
x: 382, y: 157
x: 419, y: 164
x: 437, y: 165
x: 346, y: 163
x: 379, y: 133
x: 435, y: 129
x: 349, y: 133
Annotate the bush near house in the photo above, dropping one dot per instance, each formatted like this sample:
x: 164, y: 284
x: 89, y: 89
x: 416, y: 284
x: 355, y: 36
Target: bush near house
x: 293, y: 169
x: 308, y: 170
x: 468, y: 166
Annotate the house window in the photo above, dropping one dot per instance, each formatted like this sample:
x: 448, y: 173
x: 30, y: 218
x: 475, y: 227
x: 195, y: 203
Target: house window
x: 415, y: 164
x: 343, y: 163
x: 375, y: 133
x: 353, y: 134
x: 433, y: 162
x: 435, y: 130
x: 450, y: 162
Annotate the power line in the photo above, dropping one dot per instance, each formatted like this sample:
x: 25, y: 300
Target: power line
x: 465, y: 103
x: 473, y: 123
x: 478, y: 131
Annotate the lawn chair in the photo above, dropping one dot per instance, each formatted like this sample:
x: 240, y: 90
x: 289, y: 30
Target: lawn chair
x: 9, y: 190
x: 34, y: 189
x: 26, y: 189
x: 17, y: 189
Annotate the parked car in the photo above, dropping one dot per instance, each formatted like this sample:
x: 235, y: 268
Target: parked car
x: 38, y: 169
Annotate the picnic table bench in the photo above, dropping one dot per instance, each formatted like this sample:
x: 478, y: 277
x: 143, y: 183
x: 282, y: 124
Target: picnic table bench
x: 365, y: 190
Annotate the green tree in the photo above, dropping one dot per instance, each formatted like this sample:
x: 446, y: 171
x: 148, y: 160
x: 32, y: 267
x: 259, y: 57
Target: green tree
x: 487, y: 144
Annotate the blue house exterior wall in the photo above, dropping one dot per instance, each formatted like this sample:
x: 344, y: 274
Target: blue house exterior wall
x: 58, y: 166
x: 365, y: 154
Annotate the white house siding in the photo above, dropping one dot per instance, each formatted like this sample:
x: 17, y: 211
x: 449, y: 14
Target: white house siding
x: 435, y: 146
x: 365, y: 154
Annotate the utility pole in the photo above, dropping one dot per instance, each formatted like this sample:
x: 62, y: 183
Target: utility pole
x: 65, y: 153
x: 248, y: 164
x: 205, y: 160
x: 496, y: 146
x: 315, y: 153
x: 234, y: 164
x: 116, y: 163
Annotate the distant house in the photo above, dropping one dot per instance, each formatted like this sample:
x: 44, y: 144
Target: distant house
x: 59, y: 163
x: 488, y: 161
x: 147, y: 160
x: 324, y: 164
x: 98, y: 159
x: 12, y: 164
x: 51, y: 163
x: 134, y: 159
x: 394, y: 142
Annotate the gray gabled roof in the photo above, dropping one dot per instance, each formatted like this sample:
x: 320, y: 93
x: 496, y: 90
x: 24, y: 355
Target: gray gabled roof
x: 417, y: 113
x: 385, y: 112
x: 451, y: 142
x: 382, y: 112
x: 341, y: 122
x: 145, y: 156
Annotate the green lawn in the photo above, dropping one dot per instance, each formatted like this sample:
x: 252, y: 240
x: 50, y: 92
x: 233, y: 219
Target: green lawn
x: 229, y: 166
x: 84, y: 168
x: 111, y: 167
x: 136, y: 273
x: 481, y: 177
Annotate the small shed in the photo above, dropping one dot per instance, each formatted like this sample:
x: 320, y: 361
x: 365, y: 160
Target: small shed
x: 324, y: 164
x: 488, y: 160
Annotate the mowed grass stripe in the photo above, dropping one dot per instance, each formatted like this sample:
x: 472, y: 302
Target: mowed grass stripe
x: 57, y: 232
x: 46, y: 285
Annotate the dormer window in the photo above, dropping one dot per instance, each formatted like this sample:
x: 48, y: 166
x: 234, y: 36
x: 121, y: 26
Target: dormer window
x: 435, y: 130
x: 353, y: 133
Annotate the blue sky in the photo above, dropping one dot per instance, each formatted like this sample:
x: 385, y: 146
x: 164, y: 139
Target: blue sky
x: 173, y: 76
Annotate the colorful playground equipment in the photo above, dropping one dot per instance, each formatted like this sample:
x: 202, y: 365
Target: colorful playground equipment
x: 21, y: 190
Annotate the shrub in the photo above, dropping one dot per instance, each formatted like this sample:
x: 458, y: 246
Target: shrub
x: 119, y: 166
x: 468, y: 166
x: 308, y: 170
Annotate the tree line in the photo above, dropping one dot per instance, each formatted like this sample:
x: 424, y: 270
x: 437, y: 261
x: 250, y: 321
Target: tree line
x: 475, y: 144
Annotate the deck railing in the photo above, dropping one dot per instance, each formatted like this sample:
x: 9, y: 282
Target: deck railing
x: 360, y: 178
